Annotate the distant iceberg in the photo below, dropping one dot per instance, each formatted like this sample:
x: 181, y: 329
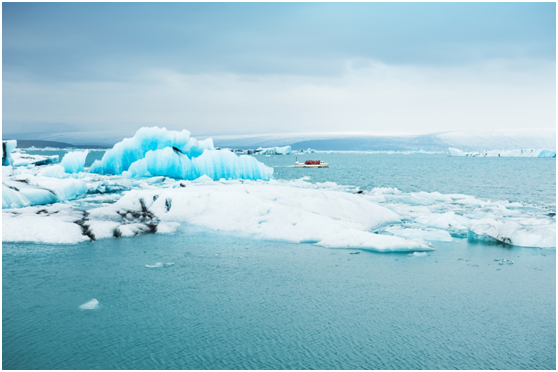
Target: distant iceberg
x: 160, y: 152
x: 520, y: 153
x: 285, y: 150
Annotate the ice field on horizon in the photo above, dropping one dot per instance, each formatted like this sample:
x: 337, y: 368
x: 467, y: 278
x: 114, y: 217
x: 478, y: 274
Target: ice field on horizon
x: 518, y: 153
x: 163, y: 181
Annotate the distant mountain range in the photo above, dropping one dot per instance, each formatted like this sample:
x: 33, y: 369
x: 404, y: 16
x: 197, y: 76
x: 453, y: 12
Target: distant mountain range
x: 507, y: 139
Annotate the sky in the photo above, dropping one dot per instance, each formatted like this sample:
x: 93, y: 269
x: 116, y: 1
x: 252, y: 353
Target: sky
x: 257, y: 68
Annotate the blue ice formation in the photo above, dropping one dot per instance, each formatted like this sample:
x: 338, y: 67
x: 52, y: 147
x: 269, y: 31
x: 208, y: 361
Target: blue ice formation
x: 124, y: 153
x: 74, y: 161
x: 215, y: 164
x: 7, y: 148
x: 285, y: 150
x: 160, y: 152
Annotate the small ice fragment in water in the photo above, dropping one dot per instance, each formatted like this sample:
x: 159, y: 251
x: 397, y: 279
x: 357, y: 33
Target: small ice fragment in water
x: 90, y: 305
x: 418, y: 254
x: 169, y: 264
x: 158, y: 264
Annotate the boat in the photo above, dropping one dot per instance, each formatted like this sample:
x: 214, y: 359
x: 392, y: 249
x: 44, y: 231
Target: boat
x: 312, y: 164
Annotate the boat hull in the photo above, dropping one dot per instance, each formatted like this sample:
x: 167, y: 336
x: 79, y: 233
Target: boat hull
x: 312, y: 166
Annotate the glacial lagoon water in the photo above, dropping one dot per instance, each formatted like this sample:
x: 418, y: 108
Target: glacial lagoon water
x: 228, y: 302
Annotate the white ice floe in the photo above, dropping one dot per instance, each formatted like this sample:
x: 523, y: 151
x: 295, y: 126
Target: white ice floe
x: 510, y: 232
x: 519, y: 153
x: 73, y: 162
x: 36, y: 190
x: 260, y: 210
x: 90, y: 305
x: 430, y: 216
x: 54, y: 224
x: 327, y: 214
x: 21, y: 159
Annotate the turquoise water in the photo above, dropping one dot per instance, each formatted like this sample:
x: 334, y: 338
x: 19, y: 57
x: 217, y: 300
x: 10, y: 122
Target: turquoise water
x: 237, y: 303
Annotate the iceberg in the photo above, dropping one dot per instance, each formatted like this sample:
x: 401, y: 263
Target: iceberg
x: 158, y: 152
x: 124, y: 153
x: 285, y: 150
x: 73, y: 162
x: 214, y: 164
x: 7, y: 148
x: 519, y: 153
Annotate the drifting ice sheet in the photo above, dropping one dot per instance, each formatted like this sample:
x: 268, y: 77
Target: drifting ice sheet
x: 265, y: 211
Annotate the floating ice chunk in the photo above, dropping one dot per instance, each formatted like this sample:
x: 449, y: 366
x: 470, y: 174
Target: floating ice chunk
x: 7, y: 148
x: 418, y: 254
x: 160, y: 264
x: 90, y: 305
x: 123, y: 154
x: 510, y: 232
x: 74, y: 161
x: 22, y: 160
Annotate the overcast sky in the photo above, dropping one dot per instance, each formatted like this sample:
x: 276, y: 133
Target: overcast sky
x: 278, y: 68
